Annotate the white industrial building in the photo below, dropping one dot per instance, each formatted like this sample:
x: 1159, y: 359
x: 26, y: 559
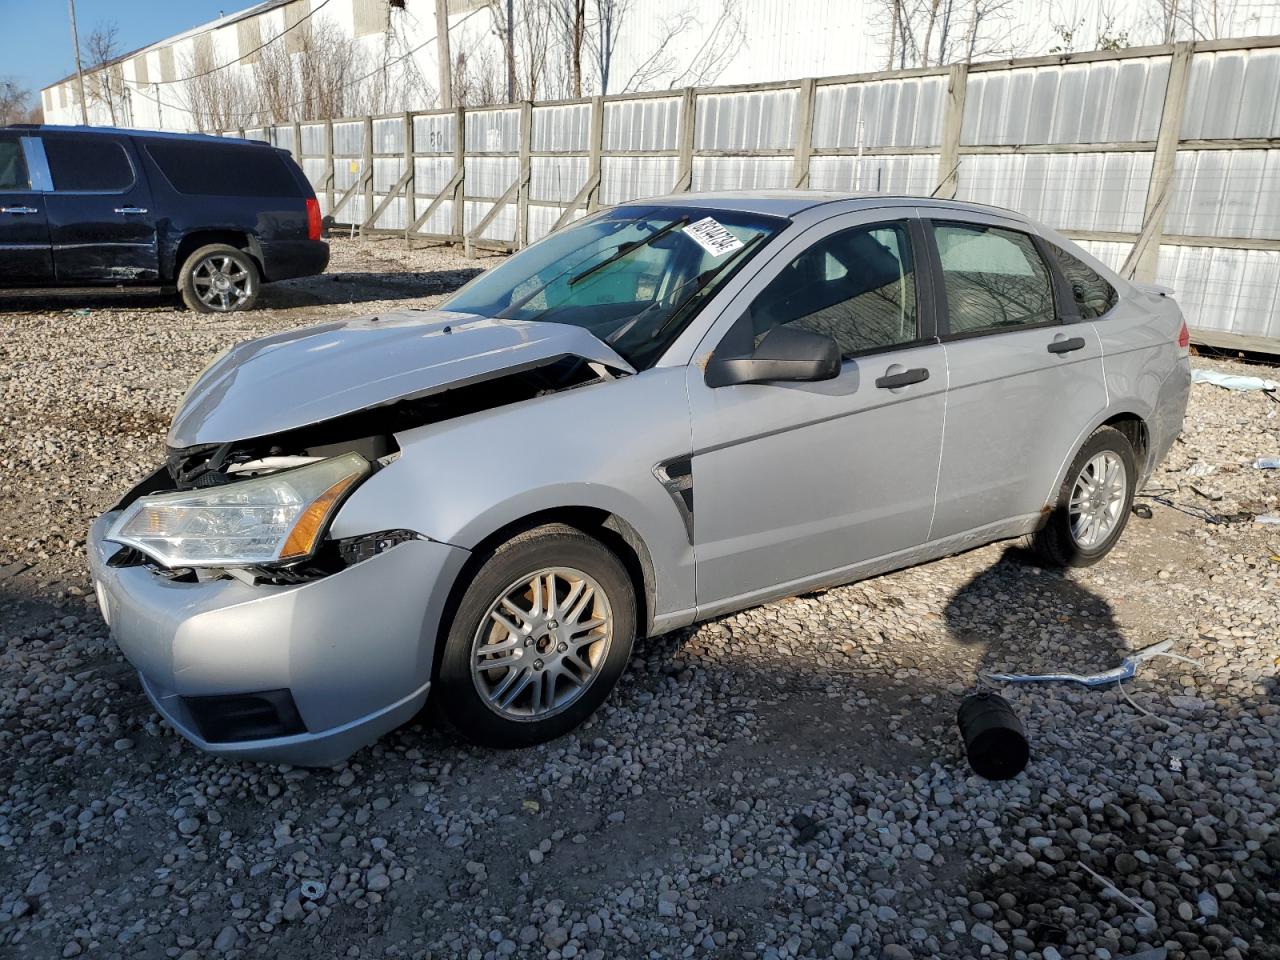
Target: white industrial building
x: 213, y: 76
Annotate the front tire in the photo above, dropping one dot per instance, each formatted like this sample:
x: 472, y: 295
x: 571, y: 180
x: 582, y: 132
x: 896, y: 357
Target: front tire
x: 539, y: 639
x: 1093, y: 504
x: 219, y: 278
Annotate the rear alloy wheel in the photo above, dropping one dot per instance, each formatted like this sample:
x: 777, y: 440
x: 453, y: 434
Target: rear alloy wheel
x: 219, y: 279
x: 1093, y: 504
x: 539, y: 638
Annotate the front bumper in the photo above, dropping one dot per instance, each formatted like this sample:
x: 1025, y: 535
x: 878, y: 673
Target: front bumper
x: 354, y: 649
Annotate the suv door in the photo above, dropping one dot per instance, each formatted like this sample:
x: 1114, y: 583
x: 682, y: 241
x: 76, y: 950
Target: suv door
x: 1025, y: 377
x: 24, y: 230
x: 794, y: 483
x: 99, y: 218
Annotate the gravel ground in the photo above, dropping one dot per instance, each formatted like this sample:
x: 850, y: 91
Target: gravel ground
x: 784, y: 782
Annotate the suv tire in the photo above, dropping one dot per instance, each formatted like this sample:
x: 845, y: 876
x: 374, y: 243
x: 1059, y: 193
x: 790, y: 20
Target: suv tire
x: 564, y: 656
x: 219, y: 278
x: 1093, y: 504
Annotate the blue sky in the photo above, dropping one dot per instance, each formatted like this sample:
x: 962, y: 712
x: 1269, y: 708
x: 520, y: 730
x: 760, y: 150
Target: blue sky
x: 37, y: 47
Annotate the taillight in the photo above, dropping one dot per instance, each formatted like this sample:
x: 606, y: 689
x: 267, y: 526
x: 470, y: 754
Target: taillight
x: 313, y: 219
x: 1184, y: 337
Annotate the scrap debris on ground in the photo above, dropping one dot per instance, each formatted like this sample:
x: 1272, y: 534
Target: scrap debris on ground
x: 783, y: 782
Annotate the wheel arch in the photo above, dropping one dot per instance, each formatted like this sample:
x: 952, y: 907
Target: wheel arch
x: 1131, y: 421
x: 195, y: 239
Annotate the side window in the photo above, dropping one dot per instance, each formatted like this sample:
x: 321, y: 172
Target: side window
x: 1092, y: 294
x: 993, y: 278
x: 856, y: 286
x: 218, y: 170
x: 13, y: 165
x: 88, y: 164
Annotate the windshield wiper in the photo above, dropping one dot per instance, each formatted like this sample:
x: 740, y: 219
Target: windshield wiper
x: 625, y: 248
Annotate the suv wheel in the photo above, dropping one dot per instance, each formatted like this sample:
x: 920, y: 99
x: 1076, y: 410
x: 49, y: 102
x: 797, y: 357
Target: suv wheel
x: 219, y: 279
x: 1093, y: 504
x: 540, y: 637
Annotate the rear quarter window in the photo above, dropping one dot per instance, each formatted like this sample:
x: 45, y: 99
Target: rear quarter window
x: 218, y: 170
x: 1092, y: 294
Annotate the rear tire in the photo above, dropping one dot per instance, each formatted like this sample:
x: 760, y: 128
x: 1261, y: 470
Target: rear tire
x: 219, y: 278
x: 1093, y: 504
x: 519, y: 668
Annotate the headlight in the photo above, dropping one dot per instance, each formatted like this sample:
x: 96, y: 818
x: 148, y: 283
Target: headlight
x: 274, y: 519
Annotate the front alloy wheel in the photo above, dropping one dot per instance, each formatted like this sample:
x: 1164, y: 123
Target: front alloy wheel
x: 539, y: 637
x: 542, y: 644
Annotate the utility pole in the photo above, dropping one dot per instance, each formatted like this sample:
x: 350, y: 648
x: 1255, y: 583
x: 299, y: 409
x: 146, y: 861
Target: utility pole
x: 443, y: 55
x: 511, y: 51
x: 75, y: 43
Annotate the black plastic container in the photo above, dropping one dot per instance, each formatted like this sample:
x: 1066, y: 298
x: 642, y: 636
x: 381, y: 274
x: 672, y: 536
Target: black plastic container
x: 994, y: 740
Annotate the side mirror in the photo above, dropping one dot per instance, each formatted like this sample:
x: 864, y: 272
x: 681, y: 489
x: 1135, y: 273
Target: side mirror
x: 785, y: 354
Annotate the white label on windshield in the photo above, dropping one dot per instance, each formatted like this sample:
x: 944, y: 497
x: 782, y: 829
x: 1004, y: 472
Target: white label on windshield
x: 712, y: 237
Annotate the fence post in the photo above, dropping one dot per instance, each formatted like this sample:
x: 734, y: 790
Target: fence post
x: 523, y: 164
x: 329, y: 172
x: 1164, y: 162
x: 297, y: 142
x: 368, y: 168
x: 459, y: 163
x: 410, y: 167
x: 948, y: 176
x: 595, y: 147
x: 688, y: 123
x: 803, y: 134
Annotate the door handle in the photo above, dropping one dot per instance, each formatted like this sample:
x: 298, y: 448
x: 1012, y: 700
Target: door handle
x: 902, y: 378
x: 19, y: 211
x: 131, y: 210
x: 1066, y: 345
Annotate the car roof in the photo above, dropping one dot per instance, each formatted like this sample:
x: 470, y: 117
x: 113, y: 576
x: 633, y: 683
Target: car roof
x: 129, y: 132
x: 788, y: 203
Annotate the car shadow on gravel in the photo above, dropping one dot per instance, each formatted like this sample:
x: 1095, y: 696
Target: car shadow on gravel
x: 1017, y: 608
x: 356, y: 287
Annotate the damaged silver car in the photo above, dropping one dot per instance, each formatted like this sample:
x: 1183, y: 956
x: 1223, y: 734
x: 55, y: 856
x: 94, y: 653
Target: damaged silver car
x: 670, y: 410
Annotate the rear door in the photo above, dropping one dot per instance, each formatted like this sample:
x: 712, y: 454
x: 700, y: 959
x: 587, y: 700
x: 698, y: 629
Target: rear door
x: 1025, y: 375
x: 100, y: 221
x: 24, y: 230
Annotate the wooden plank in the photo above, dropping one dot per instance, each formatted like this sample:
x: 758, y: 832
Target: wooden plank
x: 1146, y: 253
x: 440, y: 198
x: 469, y: 242
x: 588, y: 188
x: 802, y: 136
x: 350, y: 192
x: 386, y: 201
x: 459, y: 170
x: 595, y: 148
x: 522, y: 194
x: 688, y: 120
x: 1235, y: 341
x: 947, y: 176
x: 988, y: 149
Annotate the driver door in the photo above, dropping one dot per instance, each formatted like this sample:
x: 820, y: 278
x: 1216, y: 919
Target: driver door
x: 796, y: 484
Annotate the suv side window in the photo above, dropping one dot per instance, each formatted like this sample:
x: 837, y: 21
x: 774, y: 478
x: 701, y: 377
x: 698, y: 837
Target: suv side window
x: 223, y: 170
x: 88, y: 165
x: 1092, y: 294
x: 856, y: 286
x: 13, y: 165
x: 993, y: 278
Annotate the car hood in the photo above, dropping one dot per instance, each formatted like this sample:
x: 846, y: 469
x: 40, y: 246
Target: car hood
x: 301, y: 377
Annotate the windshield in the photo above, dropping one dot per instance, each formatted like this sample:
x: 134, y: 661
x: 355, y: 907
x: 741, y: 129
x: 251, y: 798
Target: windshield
x: 634, y: 276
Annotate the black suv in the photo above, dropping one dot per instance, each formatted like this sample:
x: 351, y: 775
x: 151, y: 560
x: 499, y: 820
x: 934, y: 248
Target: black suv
x: 94, y: 206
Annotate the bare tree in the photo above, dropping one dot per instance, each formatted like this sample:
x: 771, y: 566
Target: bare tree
x: 104, y: 79
x: 721, y: 39
x: 216, y: 97
x: 15, y: 101
x: 930, y: 33
x: 571, y: 16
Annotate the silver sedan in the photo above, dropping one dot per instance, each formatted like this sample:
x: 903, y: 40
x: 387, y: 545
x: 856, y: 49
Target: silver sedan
x: 673, y: 409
